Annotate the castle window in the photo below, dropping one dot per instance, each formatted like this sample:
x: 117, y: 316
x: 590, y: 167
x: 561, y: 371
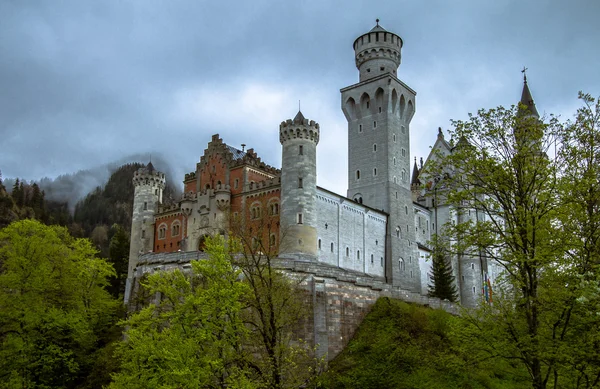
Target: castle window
x: 473, y: 266
x: 236, y: 183
x: 382, y: 68
x: 401, y: 264
x: 427, y: 225
x: 299, y: 182
x: 156, y: 192
x: 379, y: 109
x: 406, y: 209
x: 375, y: 147
x: 360, y: 128
x: 162, y: 231
x: 375, y: 124
x: 376, y: 242
x: 376, y: 37
x: 347, y: 252
x: 396, y: 195
x: 463, y: 278
x: 143, y: 234
x: 403, y: 175
x: 319, y: 244
x: 398, y: 232
x: 358, y: 174
x: 332, y: 247
x: 403, y: 129
x: 274, y: 209
x: 395, y: 181
x: 473, y: 290
x: 411, y: 274
x: 381, y: 262
x: 299, y: 218
x: 368, y: 103
x: 371, y: 259
x: 375, y: 171
x: 357, y: 254
x: 255, y: 211
x: 145, y: 205
x: 394, y: 136
x: 207, y: 186
x: 369, y: 70
x: 300, y: 150
x: 272, y: 240
x: 403, y: 152
x: 214, y: 168
x: 175, y: 228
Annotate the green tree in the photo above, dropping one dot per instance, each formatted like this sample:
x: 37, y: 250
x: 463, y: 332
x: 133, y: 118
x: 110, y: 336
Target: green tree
x: 118, y: 255
x: 192, y: 336
x: 443, y: 285
x: 276, y: 305
x: 508, y: 171
x: 53, y: 306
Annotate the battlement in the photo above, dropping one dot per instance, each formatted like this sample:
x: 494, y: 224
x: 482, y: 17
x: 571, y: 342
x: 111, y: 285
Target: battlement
x: 190, y: 176
x: 265, y: 184
x: 149, y: 176
x: 299, y: 128
x: 377, y: 52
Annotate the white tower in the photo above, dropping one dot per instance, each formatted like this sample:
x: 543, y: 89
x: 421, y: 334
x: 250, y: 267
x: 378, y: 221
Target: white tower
x: 299, y: 139
x: 149, y: 184
x: 379, y: 110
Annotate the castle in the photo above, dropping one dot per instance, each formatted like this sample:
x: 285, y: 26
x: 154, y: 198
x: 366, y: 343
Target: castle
x: 375, y: 237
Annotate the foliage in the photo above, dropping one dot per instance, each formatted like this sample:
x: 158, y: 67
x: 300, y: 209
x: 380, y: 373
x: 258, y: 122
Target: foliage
x: 400, y: 345
x: 54, y: 310
x: 443, y: 286
x: 192, y: 336
x: 540, y: 225
x: 118, y: 255
x: 276, y: 307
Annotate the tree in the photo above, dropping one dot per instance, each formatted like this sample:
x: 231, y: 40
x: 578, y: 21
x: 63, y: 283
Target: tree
x: 191, y: 337
x: 537, y: 188
x: 276, y: 304
x: 118, y: 255
x: 53, y: 306
x: 501, y: 169
x: 443, y: 286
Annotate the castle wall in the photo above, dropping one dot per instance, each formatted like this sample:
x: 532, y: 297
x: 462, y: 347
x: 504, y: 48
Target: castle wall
x: 351, y: 235
x: 169, y: 231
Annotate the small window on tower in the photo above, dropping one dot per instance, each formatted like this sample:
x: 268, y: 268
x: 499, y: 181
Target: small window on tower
x: 368, y: 104
x: 358, y: 174
x: 145, y: 205
x: 374, y: 124
x: 374, y: 171
x: 382, y: 68
x: 299, y: 218
x: 332, y: 247
x: 375, y: 147
x: 300, y: 182
x: 300, y: 150
x: 143, y: 234
x: 156, y: 192
x: 394, y: 136
x: 403, y: 152
x: 368, y: 71
x: 371, y: 259
x: 236, y: 183
x: 379, y: 109
x: 403, y: 129
x: 347, y: 252
x: 319, y: 244
x: 360, y: 128
x: 358, y: 254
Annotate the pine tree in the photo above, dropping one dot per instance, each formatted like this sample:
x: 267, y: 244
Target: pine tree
x: 443, y: 286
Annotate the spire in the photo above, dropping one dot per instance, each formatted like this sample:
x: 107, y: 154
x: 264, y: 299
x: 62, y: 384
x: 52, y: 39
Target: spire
x: 415, y: 175
x: 150, y: 167
x: 526, y: 98
x: 299, y: 118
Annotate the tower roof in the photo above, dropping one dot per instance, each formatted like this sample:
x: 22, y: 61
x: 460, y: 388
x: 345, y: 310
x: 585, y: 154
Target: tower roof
x: 527, y: 99
x: 150, y: 167
x: 415, y: 174
x: 299, y: 118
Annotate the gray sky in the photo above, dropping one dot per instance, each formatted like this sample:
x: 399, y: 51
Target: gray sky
x: 84, y: 83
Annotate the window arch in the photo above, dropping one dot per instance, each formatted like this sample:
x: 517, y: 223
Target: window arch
x: 175, y: 228
x: 162, y: 231
x: 401, y: 264
x: 274, y: 208
x: 255, y: 210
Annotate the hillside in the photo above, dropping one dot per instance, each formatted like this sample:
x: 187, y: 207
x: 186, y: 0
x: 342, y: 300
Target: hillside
x: 400, y: 345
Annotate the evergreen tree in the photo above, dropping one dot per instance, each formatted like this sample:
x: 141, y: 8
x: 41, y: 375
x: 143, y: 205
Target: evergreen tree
x: 443, y: 286
x: 118, y: 255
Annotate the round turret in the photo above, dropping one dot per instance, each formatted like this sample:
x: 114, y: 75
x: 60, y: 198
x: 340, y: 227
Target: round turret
x: 149, y: 184
x: 298, y: 217
x: 377, y: 52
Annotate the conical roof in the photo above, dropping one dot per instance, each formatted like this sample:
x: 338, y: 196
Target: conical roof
x: 150, y: 167
x: 527, y: 100
x: 299, y: 118
x: 415, y: 174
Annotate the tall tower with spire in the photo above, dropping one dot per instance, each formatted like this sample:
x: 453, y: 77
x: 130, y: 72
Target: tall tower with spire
x: 299, y: 139
x: 379, y: 109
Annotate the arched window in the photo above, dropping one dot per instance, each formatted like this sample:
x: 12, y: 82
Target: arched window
x: 374, y: 171
x: 401, y: 264
x: 398, y: 231
x: 332, y: 247
x: 162, y: 231
x: 255, y: 210
x: 347, y: 252
x: 319, y: 244
x: 375, y: 147
x: 175, y: 227
x: 371, y: 259
x: 274, y: 208
x: 358, y: 174
x: 357, y: 254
